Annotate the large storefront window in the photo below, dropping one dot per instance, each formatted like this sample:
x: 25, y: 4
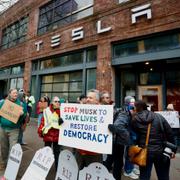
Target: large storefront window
x: 67, y: 60
x: 15, y: 33
x: 153, y: 44
x: 61, y: 12
x: 72, y: 74
x: 65, y: 85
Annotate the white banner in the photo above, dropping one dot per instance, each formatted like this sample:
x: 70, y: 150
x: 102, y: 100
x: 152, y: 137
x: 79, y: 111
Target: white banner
x: 172, y: 117
x: 86, y: 127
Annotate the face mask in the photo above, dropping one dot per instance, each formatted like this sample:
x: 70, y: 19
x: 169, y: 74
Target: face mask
x: 130, y: 107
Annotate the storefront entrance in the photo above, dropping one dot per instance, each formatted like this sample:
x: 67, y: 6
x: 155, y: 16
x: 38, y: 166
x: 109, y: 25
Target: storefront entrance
x: 152, y: 95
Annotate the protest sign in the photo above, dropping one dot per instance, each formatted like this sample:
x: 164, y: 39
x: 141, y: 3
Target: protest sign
x: 10, y: 111
x: 172, y: 118
x: 40, y: 165
x: 14, y: 162
x: 86, y: 127
x: 95, y: 171
x: 67, y: 166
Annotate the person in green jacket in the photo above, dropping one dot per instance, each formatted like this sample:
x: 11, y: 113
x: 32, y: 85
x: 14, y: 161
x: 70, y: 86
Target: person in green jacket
x: 9, y: 131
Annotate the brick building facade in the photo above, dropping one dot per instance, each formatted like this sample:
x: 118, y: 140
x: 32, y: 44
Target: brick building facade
x: 122, y: 35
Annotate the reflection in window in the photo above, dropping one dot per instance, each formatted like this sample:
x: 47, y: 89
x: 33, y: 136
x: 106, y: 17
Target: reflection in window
x: 150, y: 78
x: 74, y: 58
x: 65, y: 85
x: 152, y: 44
x: 16, y: 83
x: 128, y: 81
x: 91, y: 55
x: 17, y: 70
x: 91, y: 79
x: 69, y: 60
x: 61, y: 12
x: 15, y: 33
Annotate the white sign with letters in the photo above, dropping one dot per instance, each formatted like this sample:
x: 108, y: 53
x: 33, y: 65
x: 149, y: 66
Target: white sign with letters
x: 14, y: 162
x: 86, y: 127
x: 40, y: 165
x: 172, y: 118
x: 95, y: 171
x: 67, y: 166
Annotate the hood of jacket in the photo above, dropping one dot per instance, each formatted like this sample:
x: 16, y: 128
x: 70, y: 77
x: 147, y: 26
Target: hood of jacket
x: 144, y: 117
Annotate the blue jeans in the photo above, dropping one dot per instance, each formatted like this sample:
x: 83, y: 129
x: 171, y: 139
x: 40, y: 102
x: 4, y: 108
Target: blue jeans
x: 161, y: 164
x: 128, y: 166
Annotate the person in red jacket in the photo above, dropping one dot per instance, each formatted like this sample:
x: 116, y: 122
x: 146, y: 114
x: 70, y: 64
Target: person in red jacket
x: 49, y: 127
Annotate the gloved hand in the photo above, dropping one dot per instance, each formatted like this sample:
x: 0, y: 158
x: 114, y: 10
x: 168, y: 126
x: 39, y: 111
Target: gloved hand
x: 110, y: 127
x: 60, y: 121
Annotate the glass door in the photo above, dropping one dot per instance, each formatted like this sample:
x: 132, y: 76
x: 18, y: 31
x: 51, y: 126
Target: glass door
x: 152, y: 95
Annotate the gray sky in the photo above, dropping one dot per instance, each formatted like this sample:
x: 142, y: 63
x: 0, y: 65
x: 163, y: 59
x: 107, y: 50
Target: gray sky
x: 4, y: 4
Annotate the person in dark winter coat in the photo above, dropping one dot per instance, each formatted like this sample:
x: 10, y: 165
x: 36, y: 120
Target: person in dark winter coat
x: 121, y: 130
x: 156, y: 141
x: 49, y: 127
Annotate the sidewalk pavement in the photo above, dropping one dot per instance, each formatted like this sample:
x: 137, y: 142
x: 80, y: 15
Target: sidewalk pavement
x: 34, y: 143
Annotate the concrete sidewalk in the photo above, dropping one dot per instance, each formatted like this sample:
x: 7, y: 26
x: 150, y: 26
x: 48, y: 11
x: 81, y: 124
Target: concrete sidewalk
x: 35, y: 143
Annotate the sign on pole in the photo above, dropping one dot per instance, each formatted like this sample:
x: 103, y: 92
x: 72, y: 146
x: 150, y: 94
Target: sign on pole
x: 67, y: 166
x: 40, y: 165
x: 86, y: 127
x: 14, y: 162
x: 11, y: 111
x: 172, y: 118
x: 95, y: 171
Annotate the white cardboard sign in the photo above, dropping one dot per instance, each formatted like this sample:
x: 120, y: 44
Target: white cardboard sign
x: 67, y: 166
x: 95, y: 171
x: 40, y: 165
x: 86, y: 127
x: 14, y: 162
x: 172, y: 118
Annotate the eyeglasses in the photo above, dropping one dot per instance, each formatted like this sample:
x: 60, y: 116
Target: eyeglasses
x: 57, y: 101
x: 106, y: 97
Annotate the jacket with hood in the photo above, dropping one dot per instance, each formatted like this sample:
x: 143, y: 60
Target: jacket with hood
x: 121, y: 128
x: 157, y: 136
x: 53, y: 134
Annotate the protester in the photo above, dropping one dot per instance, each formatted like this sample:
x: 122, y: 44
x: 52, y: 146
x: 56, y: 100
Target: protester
x: 84, y: 158
x: 30, y: 101
x: 121, y: 130
x: 21, y: 97
x: 105, y: 98
x: 49, y: 127
x: 42, y: 104
x: 157, y: 138
x: 82, y: 99
x: 9, y: 131
x: 176, y: 131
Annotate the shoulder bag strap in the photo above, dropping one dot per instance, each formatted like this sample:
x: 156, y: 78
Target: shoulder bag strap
x: 147, y: 135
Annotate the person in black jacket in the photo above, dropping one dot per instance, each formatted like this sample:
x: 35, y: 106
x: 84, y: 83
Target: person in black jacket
x: 156, y: 141
x: 121, y: 131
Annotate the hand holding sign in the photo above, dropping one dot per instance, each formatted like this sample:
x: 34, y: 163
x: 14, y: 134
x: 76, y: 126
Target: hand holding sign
x: 11, y: 111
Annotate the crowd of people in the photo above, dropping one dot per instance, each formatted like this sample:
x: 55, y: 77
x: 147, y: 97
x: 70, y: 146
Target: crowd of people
x: 129, y: 127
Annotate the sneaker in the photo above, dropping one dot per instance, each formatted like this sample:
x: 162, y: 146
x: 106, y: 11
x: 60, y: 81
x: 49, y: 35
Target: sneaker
x: 131, y: 175
x: 136, y: 171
